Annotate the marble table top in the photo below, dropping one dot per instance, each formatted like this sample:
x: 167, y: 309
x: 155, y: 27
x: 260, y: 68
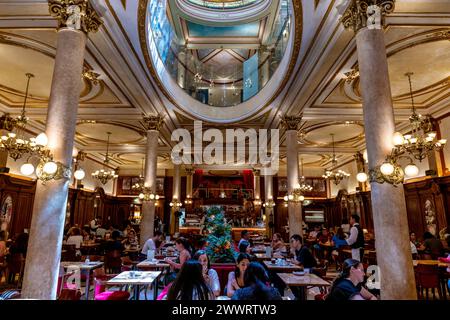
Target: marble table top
x: 140, y: 277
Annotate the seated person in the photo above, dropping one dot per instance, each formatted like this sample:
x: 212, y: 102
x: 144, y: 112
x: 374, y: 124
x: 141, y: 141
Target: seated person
x: 338, y: 239
x: 432, y: 246
x: 131, y: 239
x: 256, y: 285
x: 190, y: 284
x: 75, y: 239
x: 278, y: 245
x: 349, y: 284
x: 114, y: 243
x: 236, y: 277
x: 303, y: 255
x: 150, y: 244
x: 210, y: 275
x: 314, y: 233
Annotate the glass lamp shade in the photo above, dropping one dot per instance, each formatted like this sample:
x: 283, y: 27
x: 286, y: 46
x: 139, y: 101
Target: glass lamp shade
x: 398, y: 139
x: 301, y: 198
x: 387, y: 168
x: 79, y: 174
x: 50, y: 167
x: 27, y: 169
x: 42, y: 140
x: 365, y: 156
x: 411, y: 170
x: 152, y: 196
x: 361, y: 177
x: 141, y: 196
x: 157, y: 197
x: 74, y: 152
x: 285, y: 198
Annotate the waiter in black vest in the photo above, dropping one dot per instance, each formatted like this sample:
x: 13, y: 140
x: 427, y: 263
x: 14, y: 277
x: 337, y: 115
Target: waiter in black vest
x: 356, y: 239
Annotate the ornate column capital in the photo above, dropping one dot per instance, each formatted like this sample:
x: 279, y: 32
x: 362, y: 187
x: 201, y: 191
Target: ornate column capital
x: 153, y: 122
x: 75, y: 14
x: 367, y: 13
x: 291, y: 122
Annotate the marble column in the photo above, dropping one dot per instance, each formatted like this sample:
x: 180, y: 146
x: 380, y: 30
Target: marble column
x: 176, y: 194
x: 44, y: 246
x: 388, y: 202
x: 268, y: 194
x: 295, y: 209
x: 257, y: 184
x: 147, y: 227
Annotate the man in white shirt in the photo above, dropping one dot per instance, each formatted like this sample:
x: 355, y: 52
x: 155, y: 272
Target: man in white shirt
x: 150, y: 244
x: 94, y: 225
x: 356, y: 238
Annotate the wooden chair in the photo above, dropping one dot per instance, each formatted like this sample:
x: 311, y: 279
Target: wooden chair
x: 15, y: 267
x: 427, y: 277
x: 70, y: 253
x: 113, y: 261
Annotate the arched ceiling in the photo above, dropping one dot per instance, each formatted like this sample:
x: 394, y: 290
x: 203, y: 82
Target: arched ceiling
x: 417, y: 40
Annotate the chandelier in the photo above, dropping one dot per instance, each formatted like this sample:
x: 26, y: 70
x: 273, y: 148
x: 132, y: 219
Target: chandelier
x: 175, y: 203
x: 269, y: 203
x: 296, y: 196
x: 303, y: 186
x: 145, y: 193
x: 16, y: 144
x: 414, y: 145
x: 421, y: 139
x: 335, y: 176
x: 105, y: 175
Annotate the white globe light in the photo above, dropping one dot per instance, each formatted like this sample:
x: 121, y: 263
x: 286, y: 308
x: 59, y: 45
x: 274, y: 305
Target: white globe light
x: 387, y: 169
x: 291, y: 197
x: 411, y: 170
x: 146, y: 184
x: 398, y: 139
x: 152, y: 196
x: 74, y: 152
x: 27, y: 169
x: 365, y: 156
x: 50, y: 167
x: 79, y: 174
x: 42, y: 140
x: 157, y: 197
x: 285, y: 198
x: 141, y: 196
x: 361, y: 177
x: 301, y: 198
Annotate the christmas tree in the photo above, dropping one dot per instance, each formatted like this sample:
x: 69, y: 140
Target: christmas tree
x: 219, y: 237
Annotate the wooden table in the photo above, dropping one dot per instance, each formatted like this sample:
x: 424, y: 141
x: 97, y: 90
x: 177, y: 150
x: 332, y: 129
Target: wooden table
x: 86, y: 267
x: 262, y: 257
x: 431, y: 263
x: 281, y: 268
x: 147, y: 264
x: 141, y: 278
x: 302, y: 282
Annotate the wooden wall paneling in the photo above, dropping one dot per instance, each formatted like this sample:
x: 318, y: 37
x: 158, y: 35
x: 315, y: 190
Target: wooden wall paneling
x: 21, y: 192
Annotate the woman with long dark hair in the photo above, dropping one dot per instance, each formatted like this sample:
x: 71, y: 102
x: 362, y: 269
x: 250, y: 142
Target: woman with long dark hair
x: 236, y: 277
x: 349, y: 284
x: 256, y: 285
x: 190, y: 284
x: 184, y: 248
x: 210, y: 275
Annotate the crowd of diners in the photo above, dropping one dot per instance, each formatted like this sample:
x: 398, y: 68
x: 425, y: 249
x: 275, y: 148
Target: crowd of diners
x: 191, y: 276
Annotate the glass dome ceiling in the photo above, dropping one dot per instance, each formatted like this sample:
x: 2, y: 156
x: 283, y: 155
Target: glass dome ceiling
x: 223, y: 4
x: 218, y: 64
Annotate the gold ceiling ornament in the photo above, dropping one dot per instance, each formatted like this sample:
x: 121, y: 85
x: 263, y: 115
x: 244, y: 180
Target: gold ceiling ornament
x: 153, y: 122
x: 291, y: 122
x: 91, y: 76
x: 75, y: 14
x: 104, y: 175
x: 367, y: 13
x: 352, y: 75
x: 256, y: 172
x: 335, y: 176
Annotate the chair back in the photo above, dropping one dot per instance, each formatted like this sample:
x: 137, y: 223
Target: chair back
x: 113, y: 261
x: 223, y: 269
x: 427, y: 276
x: 70, y: 294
